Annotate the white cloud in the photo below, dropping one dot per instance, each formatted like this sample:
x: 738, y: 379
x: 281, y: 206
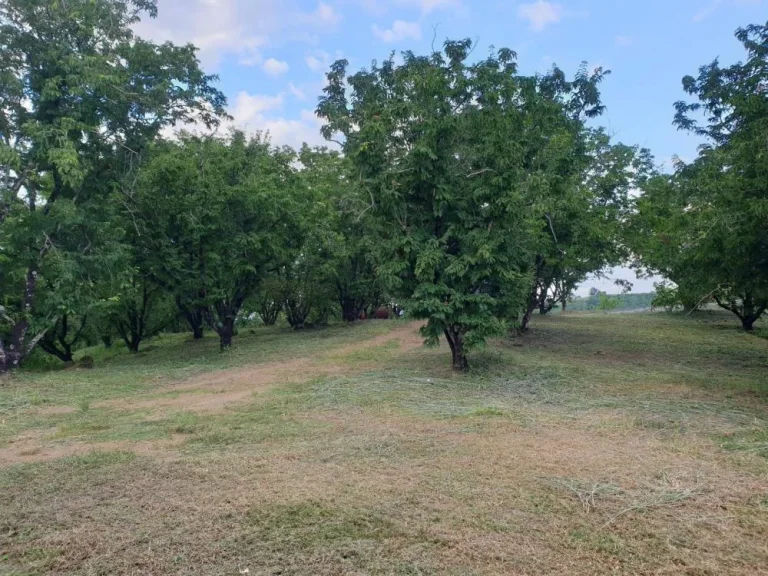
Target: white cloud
x: 256, y: 112
x: 624, y: 41
x: 239, y: 28
x: 400, y: 30
x: 706, y: 11
x: 248, y: 107
x: 261, y: 113
x: 250, y: 113
x: 294, y: 133
x: 318, y: 61
x: 540, y: 14
x: 324, y: 15
x: 275, y: 67
x: 298, y: 93
x: 380, y: 7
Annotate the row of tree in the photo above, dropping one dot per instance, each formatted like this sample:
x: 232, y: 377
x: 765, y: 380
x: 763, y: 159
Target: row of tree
x: 465, y: 192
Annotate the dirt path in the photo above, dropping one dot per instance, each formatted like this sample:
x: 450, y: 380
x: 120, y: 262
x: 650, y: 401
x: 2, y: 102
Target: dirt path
x: 208, y: 393
x: 215, y: 391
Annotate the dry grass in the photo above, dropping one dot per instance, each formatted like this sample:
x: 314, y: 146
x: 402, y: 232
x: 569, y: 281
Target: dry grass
x: 372, y: 458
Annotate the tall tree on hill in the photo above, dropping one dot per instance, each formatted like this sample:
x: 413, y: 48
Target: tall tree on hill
x: 82, y: 97
x: 453, y: 156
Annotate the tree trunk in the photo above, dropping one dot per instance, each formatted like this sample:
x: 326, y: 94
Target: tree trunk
x: 533, y: 301
x: 65, y: 354
x: 55, y: 340
x: 15, y: 348
x: 133, y: 342
x: 226, y: 331
x: 349, y: 310
x: 223, y: 323
x: 748, y: 323
x: 455, y: 340
x: 296, y: 312
x: 269, y: 310
x: 748, y: 312
x: 194, y: 317
x: 197, y: 331
x: 563, y: 304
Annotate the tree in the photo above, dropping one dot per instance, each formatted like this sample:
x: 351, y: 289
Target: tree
x: 270, y: 300
x: 446, y: 151
x: 582, y: 230
x: 139, y: 311
x: 232, y: 222
x: 82, y: 98
x: 704, y: 227
x: 351, y: 230
x: 61, y: 338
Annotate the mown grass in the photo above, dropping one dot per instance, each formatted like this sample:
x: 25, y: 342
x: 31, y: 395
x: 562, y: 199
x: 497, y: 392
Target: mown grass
x: 596, y: 444
x: 167, y: 358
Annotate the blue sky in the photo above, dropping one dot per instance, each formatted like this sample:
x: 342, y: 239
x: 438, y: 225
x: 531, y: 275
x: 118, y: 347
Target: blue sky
x: 271, y: 56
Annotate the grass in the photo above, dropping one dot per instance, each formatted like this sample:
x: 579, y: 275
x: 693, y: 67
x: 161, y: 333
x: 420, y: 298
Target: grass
x: 596, y: 444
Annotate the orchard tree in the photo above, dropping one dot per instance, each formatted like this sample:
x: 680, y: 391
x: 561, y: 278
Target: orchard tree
x: 351, y: 230
x: 139, y: 311
x: 233, y: 221
x: 82, y: 98
x: 705, y: 226
x: 452, y: 155
x: 582, y: 231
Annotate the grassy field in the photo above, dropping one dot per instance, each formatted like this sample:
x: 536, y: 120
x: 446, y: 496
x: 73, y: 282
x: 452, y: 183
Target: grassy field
x: 596, y: 444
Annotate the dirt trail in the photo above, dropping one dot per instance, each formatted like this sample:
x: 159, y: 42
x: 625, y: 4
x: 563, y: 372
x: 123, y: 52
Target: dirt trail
x: 208, y: 393
x: 215, y: 391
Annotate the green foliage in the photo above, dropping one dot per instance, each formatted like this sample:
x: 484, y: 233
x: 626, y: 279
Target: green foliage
x: 608, y: 303
x: 623, y: 302
x: 467, y: 165
x: 704, y: 227
x: 82, y: 99
x: 582, y: 231
x: 234, y: 220
x: 667, y: 296
x: 349, y: 232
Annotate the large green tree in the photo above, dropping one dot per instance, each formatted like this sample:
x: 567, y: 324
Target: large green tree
x: 705, y: 227
x: 82, y: 97
x: 455, y: 157
x: 233, y: 222
x: 350, y: 230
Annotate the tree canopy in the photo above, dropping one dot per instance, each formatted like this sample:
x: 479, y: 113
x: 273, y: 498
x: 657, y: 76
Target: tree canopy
x: 462, y: 193
x: 704, y: 227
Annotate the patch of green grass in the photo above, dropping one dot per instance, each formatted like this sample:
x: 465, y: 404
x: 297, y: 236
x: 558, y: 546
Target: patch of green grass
x: 56, y: 474
x: 488, y: 411
x: 752, y: 440
x: 316, y: 524
x: 386, y: 351
x: 602, y: 542
x: 382, y: 472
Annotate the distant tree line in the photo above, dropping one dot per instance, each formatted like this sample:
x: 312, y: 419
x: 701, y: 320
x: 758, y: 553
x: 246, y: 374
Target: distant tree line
x: 598, y: 300
x: 465, y: 193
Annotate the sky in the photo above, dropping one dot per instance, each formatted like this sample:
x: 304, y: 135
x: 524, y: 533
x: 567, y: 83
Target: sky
x: 271, y: 56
